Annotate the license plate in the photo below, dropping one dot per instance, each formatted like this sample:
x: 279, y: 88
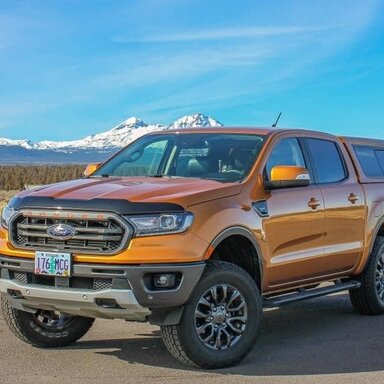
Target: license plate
x: 53, y: 264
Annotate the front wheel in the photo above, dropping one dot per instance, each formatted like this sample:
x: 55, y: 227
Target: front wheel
x: 220, y: 322
x: 369, y: 298
x: 44, y: 329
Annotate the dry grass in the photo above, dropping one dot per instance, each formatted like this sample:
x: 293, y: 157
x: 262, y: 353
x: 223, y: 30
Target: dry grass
x: 5, y: 196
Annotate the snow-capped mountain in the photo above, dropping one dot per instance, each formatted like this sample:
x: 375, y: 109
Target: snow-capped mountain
x: 117, y: 137
x: 128, y: 131
x: 18, y: 143
x: 94, y: 147
x: 195, y: 120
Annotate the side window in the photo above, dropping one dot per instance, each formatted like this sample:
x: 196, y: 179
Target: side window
x: 380, y: 157
x: 328, y: 163
x: 286, y: 152
x: 370, y: 160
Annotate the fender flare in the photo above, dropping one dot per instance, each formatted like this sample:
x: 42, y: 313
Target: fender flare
x: 245, y: 232
x: 375, y: 234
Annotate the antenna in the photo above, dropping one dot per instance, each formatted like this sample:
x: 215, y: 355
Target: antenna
x: 277, y: 120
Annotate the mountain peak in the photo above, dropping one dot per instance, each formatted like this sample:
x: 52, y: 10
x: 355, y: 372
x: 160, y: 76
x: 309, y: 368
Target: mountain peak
x: 132, y: 122
x: 195, y: 120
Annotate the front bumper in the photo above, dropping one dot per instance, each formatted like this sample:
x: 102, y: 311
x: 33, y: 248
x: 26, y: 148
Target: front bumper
x: 128, y: 296
x: 74, y: 301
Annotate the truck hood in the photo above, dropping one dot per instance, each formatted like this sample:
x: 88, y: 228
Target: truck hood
x: 181, y: 191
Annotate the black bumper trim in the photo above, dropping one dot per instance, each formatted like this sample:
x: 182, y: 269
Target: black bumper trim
x: 190, y: 272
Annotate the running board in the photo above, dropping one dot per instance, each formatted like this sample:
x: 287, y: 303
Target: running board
x: 303, y: 294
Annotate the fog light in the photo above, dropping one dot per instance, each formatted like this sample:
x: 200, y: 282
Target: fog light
x: 164, y: 280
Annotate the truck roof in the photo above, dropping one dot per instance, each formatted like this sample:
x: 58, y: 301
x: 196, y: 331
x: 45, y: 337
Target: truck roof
x: 362, y: 141
x: 245, y: 130
x: 268, y: 130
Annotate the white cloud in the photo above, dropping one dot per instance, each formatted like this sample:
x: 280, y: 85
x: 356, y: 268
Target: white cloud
x: 183, y: 65
x: 219, y: 34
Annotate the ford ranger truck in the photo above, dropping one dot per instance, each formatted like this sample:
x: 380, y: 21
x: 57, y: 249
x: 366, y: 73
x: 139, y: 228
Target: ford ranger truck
x: 197, y: 230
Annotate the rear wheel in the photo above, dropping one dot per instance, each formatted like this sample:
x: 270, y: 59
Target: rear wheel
x: 369, y: 298
x: 220, y: 322
x: 47, y: 329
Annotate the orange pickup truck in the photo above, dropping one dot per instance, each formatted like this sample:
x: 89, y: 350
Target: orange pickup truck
x: 197, y: 230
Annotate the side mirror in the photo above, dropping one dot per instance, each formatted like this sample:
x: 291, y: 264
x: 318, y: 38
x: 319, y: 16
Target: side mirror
x: 287, y: 176
x: 91, y: 168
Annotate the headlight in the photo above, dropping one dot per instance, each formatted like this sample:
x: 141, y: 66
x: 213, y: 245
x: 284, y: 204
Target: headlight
x: 160, y: 224
x: 6, y: 216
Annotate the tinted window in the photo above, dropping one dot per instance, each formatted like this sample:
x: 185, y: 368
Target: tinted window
x: 327, y: 160
x: 380, y: 157
x: 371, y: 160
x: 286, y: 152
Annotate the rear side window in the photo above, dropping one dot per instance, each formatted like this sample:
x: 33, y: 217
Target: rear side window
x: 371, y: 160
x: 328, y: 163
x: 380, y: 156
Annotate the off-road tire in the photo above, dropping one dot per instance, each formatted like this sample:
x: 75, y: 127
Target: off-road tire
x: 27, y: 328
x: 366, y: 299
x: 182, y: 340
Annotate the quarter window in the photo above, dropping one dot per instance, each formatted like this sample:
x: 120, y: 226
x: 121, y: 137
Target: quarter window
x: 371, y: 160
x: 380, y: 157
x: 328, y: 163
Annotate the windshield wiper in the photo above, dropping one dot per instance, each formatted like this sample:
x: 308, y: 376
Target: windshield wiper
x: 97, y: 176
x: 158, y: 175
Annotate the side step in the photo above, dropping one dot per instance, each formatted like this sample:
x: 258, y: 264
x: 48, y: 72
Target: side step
x: 304, y: 294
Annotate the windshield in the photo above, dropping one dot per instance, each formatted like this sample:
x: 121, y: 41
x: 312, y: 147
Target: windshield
x: 216, y: 156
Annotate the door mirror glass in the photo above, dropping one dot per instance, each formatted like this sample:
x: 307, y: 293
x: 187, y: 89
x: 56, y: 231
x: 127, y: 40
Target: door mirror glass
x: 287, y: 176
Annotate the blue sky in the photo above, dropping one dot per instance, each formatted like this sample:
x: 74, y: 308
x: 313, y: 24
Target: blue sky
x: 70, y: 68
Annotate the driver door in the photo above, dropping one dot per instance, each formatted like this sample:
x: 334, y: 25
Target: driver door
x: 295, y: 226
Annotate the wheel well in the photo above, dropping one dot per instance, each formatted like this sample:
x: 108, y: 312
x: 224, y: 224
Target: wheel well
x: 239, y: 250
x: 381, y: 231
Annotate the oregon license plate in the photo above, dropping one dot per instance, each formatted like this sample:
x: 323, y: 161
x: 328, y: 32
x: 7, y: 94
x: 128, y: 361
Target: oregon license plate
x: 53, y: 264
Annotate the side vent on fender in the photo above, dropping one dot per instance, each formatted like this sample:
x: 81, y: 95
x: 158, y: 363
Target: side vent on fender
x: 261, y: 208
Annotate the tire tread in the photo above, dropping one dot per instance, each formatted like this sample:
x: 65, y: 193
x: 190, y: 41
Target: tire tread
x: 16, y: 321
x: 364, y: 299
x: 171, y: 333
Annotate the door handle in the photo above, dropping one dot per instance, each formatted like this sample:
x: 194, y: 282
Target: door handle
x: 313, y: 203
x: 353, y: 198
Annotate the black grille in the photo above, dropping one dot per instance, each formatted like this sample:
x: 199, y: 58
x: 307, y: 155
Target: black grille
x: 99, y: 284
x: 21, y: 277
x: 95, y: 232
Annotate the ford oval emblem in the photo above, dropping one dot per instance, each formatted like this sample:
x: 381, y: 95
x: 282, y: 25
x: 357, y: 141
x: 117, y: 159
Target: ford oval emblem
x: 61, y: 232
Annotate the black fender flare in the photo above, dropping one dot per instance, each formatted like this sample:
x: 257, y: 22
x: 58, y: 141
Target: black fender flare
x: 379, y: 225
x: 245, y: 232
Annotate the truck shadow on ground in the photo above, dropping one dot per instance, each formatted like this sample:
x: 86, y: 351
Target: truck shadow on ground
x: 322, y: 336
